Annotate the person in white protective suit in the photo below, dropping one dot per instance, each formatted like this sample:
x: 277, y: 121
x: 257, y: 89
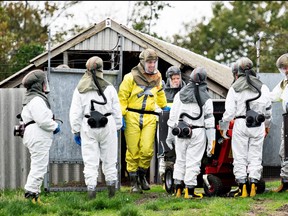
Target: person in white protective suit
x: 249, y: 104
x: 193, y: 107
x: 280, y: 93
x: 39, y: 130
x: 173, y: 85
x: 95, y: 117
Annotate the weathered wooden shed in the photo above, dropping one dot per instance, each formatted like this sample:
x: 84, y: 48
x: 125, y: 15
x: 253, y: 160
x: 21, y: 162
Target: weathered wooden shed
x: 119, y: 47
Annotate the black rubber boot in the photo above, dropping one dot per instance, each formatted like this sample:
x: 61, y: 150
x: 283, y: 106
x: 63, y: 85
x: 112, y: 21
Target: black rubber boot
x: 111, y: 186
x: 135, y: 186
x: 35, y: 198
x: 111, y: 191
x: 142, y: 179
x: 91, y: 192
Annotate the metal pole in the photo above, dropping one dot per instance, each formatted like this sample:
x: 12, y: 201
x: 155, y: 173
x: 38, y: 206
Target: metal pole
x: 47, y: 175
x: 260, y: 35
x: 258, y: 54
x: 119, y: 79
x: 49, y: 54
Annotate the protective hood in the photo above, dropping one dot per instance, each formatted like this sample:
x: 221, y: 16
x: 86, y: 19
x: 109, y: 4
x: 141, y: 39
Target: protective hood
x: 234, y: 69
x: 188, y: 93
x: 143, y: 79
x: 33, y: 82
x: 245, y: 66
x: 94, y: 65
x: 173, y: 70
x: 170, y: 92
x: 282, y: 64
x: 148, y: 55
x: 87, y: 83
x: 282, y: 61
x: 241, y: 84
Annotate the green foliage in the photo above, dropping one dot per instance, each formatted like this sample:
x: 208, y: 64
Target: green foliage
x: 24, y: 54
x: 145, y: 15
x: 155, y: 202
x: 23, y: 33
x: 233, y: 31
x: 130, y: 210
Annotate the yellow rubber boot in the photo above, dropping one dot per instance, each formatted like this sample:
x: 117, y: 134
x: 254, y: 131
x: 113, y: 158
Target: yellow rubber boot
x: 190, y: 194
x: 36, y: 200
x: 253, y: 190
x: 178, y: 192
x: 244, y: 191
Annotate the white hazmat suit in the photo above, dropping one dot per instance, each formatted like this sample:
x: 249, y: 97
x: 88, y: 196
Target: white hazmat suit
x: 39, y: 129
x: 280, y: 94
x: 97, y: 143
x: 247, y: 142
x: 38, y: 139
x: 189, y: 151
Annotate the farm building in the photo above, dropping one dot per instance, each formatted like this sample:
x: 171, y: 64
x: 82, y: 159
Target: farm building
x: 119, y: 47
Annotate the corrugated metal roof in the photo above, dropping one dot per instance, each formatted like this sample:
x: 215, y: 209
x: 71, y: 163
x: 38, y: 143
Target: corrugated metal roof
x: 173, y: 54
x: 216, y: 71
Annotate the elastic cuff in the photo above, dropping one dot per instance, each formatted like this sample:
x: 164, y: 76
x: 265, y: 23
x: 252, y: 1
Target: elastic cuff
x: 241, y: 181
x: 177, y: 182
x: 110, y: 183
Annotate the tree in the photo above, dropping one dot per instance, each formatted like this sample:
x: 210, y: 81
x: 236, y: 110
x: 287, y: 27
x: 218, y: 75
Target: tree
x: 234, y: 30
x: 145, y: 15
x: 22, y: 33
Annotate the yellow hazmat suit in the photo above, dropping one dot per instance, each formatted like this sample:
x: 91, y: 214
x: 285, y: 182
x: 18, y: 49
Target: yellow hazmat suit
x: 138, y: 93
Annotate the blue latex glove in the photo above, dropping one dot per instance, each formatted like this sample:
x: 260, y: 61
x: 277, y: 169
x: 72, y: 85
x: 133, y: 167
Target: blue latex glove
x: 77, y: 138
x: 57, y: 130
x: 166, y: 108
x: 123, y: 124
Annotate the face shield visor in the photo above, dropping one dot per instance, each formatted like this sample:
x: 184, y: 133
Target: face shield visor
x: 175, y: 79
x: 284, y: 71
x: 151, y: 67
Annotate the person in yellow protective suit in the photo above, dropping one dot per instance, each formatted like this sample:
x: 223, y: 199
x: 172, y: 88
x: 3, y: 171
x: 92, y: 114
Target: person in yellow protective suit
x: 139, y: 94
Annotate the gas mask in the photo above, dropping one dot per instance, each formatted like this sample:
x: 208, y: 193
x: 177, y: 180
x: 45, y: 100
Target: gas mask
x: 254, y: 119
x: 96, y: 119
x: 182, y: 130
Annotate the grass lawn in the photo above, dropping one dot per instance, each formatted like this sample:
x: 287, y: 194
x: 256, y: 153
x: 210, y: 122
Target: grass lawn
x: 155, y: 202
